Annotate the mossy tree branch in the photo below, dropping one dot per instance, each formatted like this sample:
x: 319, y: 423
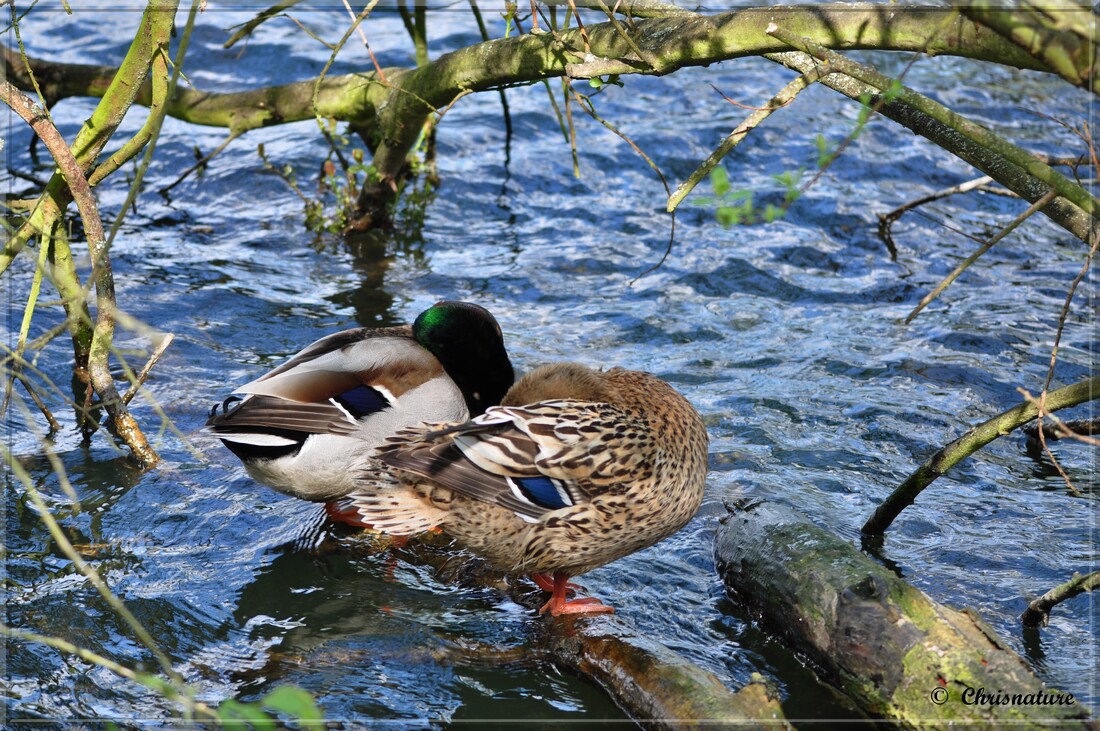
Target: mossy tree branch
x: 1063, y: 212
x: 397, y: 110
x: 975, y: 133
x: 888, y: 646
x: 971, y: 442
x: 656, y: 686
x: 1060, y: 33
x: 99, y: 350
x: 92, y: 341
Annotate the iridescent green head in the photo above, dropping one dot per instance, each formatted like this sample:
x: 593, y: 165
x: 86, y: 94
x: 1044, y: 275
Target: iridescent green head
x: 470, y: 345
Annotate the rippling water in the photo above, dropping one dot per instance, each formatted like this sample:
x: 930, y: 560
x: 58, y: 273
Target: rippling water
x: 787, y: 337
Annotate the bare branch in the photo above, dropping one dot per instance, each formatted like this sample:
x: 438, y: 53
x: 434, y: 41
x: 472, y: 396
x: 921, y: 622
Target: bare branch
x: 1038, y: 611
x: 986, y: 246
x: 971, y: 442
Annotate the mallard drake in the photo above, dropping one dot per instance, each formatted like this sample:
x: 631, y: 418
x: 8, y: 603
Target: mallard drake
x: 575, y: 468
x: 304, y: 427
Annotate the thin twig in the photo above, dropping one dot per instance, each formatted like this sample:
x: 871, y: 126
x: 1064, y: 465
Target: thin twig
x: 287, y: 178
x: 1077, y: 429
x: 27, y: 63
x: 969, y: 443
x: 201, y: 163
x: 332, y: 59
x: 87, y: 570
x: 1032, y: 209
x: 442, y: 112
x: 29, y: 178
x: 585, y: 103
x: 144, y: 373
x: 572, y: 130
x: 28, y: 314
x: 997, y: 190
x: 968, y: 129
x: 795, y: 42
x: 781, y: 99
x: 749, y: 107
x: 47, y: 447
x: 1093, y: 245
x: 101, y: 268
x: 651, y: 60
x: 1040, y: 405
x: 887, y: 220
x: 181, y: 695
x: 248, y: 27
x: 26, y: 366
x: 503, y: 98
x: 55, y: 426
x: 363, y: 35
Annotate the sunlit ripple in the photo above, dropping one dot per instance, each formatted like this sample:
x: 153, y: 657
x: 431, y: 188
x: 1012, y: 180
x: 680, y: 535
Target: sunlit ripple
x: 787, y: 338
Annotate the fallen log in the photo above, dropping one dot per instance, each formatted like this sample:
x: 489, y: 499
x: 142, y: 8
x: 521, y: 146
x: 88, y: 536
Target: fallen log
x: 651, y: 683
x: 890, y: 648
x: 654, y: 685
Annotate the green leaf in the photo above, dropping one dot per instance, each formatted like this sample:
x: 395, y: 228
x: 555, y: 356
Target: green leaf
x: 894, y: 91
x: 790, y: 180
x: 728, y: 216
x: 236, y: 712
x: 771, y: 213
x: 823, y: 153
x: 295, y: 702
x: 720, y: 180
x: 864, y: 115
x: 743, y: 195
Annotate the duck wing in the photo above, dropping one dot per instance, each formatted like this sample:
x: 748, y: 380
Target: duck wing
x: 330, y: 386
x: 532, y: 459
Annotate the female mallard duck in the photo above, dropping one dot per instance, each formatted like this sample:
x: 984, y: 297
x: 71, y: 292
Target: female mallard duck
x: 576, y: 468
x: 306, y: 426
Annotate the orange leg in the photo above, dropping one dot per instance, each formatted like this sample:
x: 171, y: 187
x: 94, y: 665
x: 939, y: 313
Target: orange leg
x: 546, y: 583
x: 559, y: 605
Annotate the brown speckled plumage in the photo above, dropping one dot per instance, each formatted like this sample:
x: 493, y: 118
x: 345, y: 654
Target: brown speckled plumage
x: 575, y: 469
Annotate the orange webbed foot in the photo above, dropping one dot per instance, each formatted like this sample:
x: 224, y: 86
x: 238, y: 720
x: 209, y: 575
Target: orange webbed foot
x: 587, y: 605
x: 559, y: 605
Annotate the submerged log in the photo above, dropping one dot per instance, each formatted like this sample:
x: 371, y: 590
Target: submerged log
x: 654, y: 685
x: 898, y: 654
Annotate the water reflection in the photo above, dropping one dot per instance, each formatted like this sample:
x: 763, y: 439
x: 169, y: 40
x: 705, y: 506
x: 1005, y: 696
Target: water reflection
x: 786, y: 337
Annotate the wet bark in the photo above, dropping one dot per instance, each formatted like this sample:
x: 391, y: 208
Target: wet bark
x: 894, y: 651
x: 395, y: 108
x: 92, y: 338
x: 654, y: 685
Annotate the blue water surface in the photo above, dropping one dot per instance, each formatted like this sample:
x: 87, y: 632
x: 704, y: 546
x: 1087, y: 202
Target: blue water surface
x: 787, y: 337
